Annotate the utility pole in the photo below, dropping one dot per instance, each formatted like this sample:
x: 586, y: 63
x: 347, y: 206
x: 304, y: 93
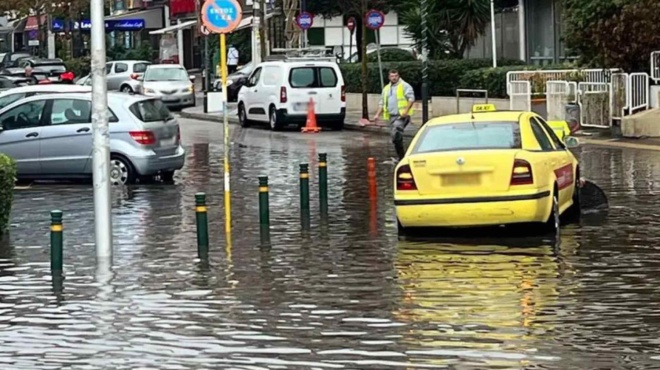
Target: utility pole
x: 262, y: 29
x: 425, y: 66
x: 101, y: 138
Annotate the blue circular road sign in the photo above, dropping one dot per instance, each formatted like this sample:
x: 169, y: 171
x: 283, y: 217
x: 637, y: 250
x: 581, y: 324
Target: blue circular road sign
x: 374, y: 19
x: 221, y: 16
x: 305, y: 20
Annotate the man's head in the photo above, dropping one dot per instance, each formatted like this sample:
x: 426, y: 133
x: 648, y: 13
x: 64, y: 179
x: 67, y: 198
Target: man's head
x: 394, y: 76
x: 28, y: 71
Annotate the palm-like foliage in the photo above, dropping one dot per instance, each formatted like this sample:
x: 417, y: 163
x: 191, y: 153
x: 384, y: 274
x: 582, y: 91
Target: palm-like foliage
x: 453, y: 25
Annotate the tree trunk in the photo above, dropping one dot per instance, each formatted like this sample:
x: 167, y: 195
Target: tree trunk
x: 362, y: 47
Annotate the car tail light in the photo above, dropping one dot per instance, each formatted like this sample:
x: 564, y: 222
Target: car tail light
x: 521, y: 174
x: 67, y: 76
x: 405, y: 179
x: 343, y: 93
x: 283, y: 97
x: 143, y: 137
x: 134, y: 76
x: 178, y: 134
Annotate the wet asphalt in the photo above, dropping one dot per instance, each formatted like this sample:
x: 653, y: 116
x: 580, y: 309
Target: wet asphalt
x: 346, y: 294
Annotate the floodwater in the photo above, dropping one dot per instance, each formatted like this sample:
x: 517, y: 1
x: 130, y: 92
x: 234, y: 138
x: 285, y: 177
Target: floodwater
x: 344, y: 295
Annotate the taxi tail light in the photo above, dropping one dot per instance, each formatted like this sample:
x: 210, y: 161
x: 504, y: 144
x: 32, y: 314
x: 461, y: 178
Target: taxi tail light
x: 405, y: 179
x: 143, y: 137
x: 283, y: 96
x: 521, y: 174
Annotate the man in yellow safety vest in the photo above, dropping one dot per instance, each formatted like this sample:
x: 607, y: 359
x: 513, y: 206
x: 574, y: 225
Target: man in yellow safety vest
x: 395, y: 105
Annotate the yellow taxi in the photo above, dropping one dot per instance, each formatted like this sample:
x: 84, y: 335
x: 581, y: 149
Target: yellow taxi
x: 486, y: 168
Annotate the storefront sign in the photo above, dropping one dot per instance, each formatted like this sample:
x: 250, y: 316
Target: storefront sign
x: 110, y: 25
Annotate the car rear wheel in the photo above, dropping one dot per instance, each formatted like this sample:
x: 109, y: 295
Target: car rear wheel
x: 121, y: 170
x: 553, y: 224
x: 167, y: 176
x: 127, y: 90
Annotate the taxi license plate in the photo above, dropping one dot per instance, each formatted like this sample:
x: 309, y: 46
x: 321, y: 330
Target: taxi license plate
x: 461, y: 180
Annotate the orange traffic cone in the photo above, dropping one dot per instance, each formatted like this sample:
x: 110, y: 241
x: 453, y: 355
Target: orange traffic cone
x: 311, y: 126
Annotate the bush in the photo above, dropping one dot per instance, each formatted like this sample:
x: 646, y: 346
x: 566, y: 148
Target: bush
x: 494, y: 79
x: 391, y: 55
x: 444, y: 75
x: 7, y: 181
x: 80, y: 67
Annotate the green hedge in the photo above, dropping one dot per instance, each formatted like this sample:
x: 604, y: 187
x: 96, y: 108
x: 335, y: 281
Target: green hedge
x: 7, y: 181
x: 80, y: 67
x: 444, y: 75
x: 494, y: 79
x: 391, y: 55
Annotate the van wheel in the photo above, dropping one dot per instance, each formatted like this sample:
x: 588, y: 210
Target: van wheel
x: 275, y: 125
x: 121, y: 170
x: 338, y: 125
x: 242, y: 116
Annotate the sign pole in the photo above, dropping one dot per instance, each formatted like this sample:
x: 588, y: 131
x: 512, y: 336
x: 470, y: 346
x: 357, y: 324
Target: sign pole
x: 380, y: 64
x: 492, y: 30
x: 223, y: 71
x: 425, y: 66
x: 374, y: 20
x: 101, y: 137
x: 351, y: 29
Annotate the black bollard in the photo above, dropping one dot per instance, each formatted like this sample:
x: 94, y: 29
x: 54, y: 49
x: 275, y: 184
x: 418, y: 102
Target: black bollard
x: 56, y: 242
x: 304, y: 196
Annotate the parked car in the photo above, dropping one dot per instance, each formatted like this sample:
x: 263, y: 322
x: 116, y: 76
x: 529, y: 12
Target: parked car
x: 9, y: 60
x: 12, y: 95
x: 43, y: 71
x: 278, y: 93
x: 50, y: 137
x: 235, y: 81
x: 169, y: 82
x: 122, y: 75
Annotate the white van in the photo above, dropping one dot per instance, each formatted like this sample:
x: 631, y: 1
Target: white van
x: 278, y: 93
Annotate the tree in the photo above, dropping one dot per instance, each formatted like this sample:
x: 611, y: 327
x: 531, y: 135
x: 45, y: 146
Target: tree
x: 613, y: 33
x: 356, y: 9
x: 453, y: 25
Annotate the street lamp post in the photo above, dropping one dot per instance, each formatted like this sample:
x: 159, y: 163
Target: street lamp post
x: 425, y: 66
x: 492, y: 31
x: 101, y: 138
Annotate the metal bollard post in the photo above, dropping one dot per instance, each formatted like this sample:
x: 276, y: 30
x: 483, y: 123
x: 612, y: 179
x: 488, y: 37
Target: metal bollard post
x: 323, y: 183
x: 304, y: 195
x: 202, y: 226
x: 371, y: 168
x: 56, y: 241
x: 264, y: 211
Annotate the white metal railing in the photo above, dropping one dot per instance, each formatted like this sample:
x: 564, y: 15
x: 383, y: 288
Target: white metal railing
x: 620, y: 94
x: 520, y: 95
x: 655, y: 66
x: 594, y: 110
x: 557, y: 95
x: 638, y: 92
x: 590, y: 75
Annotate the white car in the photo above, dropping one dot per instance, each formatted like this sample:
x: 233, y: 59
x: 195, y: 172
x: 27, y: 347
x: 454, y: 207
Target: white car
x: 278, y: 93
x: 9, y: 96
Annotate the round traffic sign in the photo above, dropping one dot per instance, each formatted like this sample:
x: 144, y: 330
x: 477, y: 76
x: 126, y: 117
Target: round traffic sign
x: 305, y: 20
x: 221, y: 16
x: 351, y: 24
x: 374, y: 19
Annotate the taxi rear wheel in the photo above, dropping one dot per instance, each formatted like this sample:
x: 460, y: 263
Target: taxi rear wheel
x: 574, y: 212
x: 400, y: 230
x: 553, y: 223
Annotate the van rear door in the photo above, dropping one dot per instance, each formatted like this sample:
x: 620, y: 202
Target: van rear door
x: 320, y: 83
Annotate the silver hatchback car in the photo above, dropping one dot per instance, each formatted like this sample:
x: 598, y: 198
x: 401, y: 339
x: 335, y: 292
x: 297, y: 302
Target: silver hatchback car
x: 50, y: 137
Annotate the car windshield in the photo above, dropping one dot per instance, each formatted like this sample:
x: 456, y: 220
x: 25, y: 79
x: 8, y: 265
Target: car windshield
x: 166, y: 74
x: 468, y: 136
x: 152, y: 110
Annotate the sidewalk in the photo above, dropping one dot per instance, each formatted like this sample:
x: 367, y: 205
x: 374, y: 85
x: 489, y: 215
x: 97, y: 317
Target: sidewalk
x: 588, y: 137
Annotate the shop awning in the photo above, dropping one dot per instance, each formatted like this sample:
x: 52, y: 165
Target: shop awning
x: 153, y: 18
x: 174, y: 28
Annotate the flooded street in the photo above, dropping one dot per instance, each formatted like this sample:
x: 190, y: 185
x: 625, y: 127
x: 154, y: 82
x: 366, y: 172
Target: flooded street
x: 346, y: 294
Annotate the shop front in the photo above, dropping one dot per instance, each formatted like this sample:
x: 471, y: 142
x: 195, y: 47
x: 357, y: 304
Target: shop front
x: 180, y: 41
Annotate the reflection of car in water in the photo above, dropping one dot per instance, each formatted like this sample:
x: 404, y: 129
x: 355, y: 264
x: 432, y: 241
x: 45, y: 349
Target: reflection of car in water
x: 486, y: 168
x: 485, y: 297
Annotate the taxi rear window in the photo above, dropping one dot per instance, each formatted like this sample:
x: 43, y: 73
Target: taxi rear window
x: 469, y: 135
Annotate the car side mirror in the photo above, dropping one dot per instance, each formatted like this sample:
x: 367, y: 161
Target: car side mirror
x: 192, y: 78
x: 571, y: 142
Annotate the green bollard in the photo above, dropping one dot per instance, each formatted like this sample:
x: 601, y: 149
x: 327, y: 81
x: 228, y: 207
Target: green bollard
x: 304, y: 195
x: 56, y: 241
x: 323, y: 183
x: 264, y: 211
x: 202, y: 226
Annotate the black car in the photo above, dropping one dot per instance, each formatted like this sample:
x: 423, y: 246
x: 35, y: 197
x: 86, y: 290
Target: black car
x: 235, y: 81
x: 43, y: 71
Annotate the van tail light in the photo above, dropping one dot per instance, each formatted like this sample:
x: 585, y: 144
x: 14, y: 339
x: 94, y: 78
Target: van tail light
x: 343, y: 93
x: 283, y: 97
x: 521, y: 174
x: 67, y: 76
x: 143, y: 137
x: 405, y: 179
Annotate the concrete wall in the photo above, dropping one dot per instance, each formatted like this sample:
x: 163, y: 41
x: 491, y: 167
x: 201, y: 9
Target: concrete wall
x: 439, y: 105
x: 642, y: 124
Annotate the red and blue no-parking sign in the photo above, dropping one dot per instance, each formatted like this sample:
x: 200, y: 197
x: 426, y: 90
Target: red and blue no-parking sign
x: 374, y: 19
x: 221, y: 16
x: 304, y: 20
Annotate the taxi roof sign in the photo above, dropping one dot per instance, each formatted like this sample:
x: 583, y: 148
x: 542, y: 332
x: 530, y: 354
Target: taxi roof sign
x: 477, y: 108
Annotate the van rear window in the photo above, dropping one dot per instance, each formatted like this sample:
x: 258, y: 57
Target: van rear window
x: 470, y: 135
x: 312, y: 77
x: 152, y: 110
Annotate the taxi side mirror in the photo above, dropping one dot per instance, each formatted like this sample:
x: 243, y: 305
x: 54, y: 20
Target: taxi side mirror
x: 571, y: 142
